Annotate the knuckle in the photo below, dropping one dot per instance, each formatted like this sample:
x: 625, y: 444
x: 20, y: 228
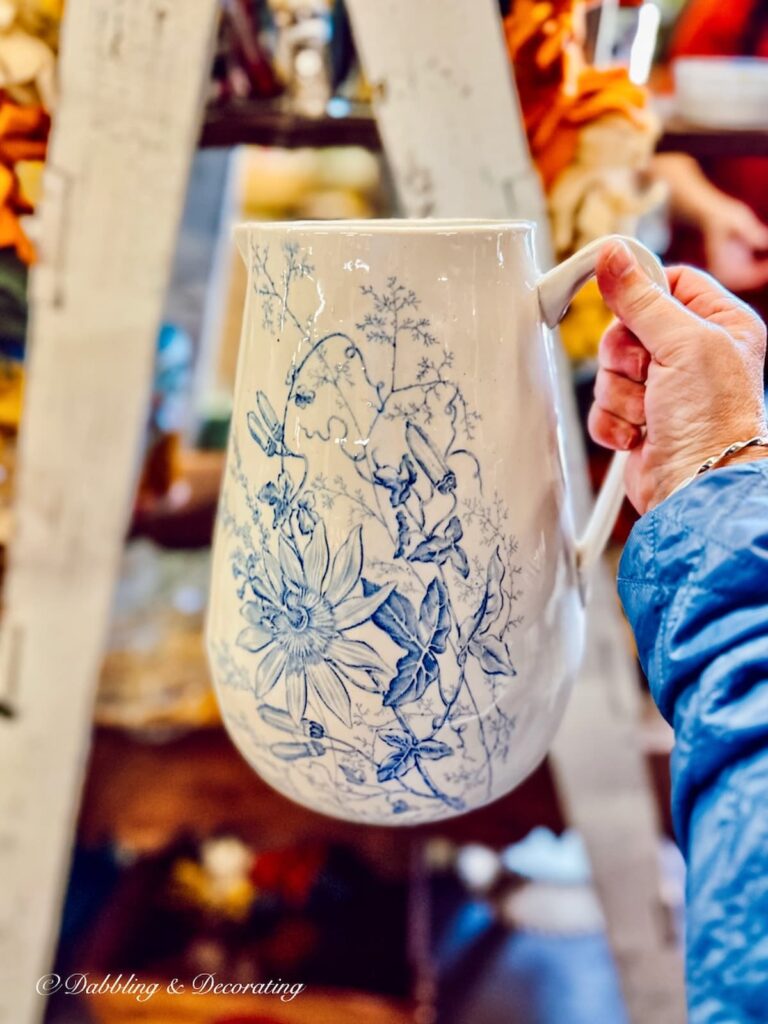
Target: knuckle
x: 596, y: 424
x: 635, y: 408
x: 640, y: 361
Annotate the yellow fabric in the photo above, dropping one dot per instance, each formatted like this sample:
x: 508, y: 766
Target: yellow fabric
x: 11, y: 394
x: 584, y: 323
x: 30, y: 177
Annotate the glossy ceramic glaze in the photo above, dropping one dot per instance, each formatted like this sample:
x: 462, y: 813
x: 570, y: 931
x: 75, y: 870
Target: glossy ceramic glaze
x: 395, y: 620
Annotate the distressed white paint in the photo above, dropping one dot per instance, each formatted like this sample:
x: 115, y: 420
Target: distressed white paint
x: 448, y: 117
x: 132, y: 78
x: 450, y: 124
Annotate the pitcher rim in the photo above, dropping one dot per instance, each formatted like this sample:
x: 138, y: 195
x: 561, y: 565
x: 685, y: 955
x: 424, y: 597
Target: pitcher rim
x: 392, y: 225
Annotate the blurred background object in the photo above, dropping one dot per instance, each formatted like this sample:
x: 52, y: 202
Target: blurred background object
x: 719, y: 201
x: 591, y: 132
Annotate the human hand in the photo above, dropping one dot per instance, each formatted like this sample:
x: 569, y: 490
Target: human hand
x: 680, y: 376
x: 736, y: 244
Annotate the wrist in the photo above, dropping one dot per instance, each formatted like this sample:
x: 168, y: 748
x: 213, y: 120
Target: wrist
x: 753, y: 454
x: 678, y: 480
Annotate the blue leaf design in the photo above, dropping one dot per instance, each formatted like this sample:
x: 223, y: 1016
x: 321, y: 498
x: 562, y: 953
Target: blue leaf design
x: 494, y: 593
x: 399, y: 740
x: 493, y: 655
x: 399, y: 807
x: 414, y: 673
x: 395, y: 765
x: 434, y: 617
x: 457, y: 556
x: 440, y: 548
x: 433, y: 750
x: 419, y: 667
x: 488, y: 610
x: 396, y: 616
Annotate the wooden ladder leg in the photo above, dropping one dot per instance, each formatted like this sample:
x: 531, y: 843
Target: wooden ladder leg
x: 604, y: 786
x: 132, y: 76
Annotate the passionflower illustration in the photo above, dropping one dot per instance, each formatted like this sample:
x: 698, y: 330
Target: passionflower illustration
x: 264, y: 426
x: 430, y: 460
x: 305, y: 605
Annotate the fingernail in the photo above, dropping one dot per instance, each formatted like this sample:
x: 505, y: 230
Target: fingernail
x: 620, y: 260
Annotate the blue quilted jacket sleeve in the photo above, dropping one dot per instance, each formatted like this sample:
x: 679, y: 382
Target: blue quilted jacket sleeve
x: 694, y: 583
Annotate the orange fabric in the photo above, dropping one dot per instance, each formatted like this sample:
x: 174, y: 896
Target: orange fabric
x: 559, y: 91
x: 23, y: 136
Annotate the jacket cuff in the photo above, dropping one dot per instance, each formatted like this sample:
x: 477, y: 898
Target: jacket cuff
x: 704, y: 547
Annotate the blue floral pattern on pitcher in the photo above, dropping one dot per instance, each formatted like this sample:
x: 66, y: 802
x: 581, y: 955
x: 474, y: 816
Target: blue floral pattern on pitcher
x: 304, y: 650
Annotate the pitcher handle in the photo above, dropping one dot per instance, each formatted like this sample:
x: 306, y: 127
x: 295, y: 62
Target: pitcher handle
x: 556, y: 290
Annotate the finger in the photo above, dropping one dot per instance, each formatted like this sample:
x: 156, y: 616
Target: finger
x: 754, y: 276
x: 621, y: 352
x: 697, y: 290
x: 706, y: 297
x: 748, y: 227
x: 688, y: 283
x: 650, y: 313
x: 611, y: 431
x: 623, y: 397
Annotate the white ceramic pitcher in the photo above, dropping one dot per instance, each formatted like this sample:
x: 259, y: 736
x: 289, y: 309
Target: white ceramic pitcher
x: 396, y: 614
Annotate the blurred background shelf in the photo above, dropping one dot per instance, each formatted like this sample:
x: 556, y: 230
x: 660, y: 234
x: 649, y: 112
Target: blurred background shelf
x: 144, y: 796
x: 268, y: 123
x: 680, y: 136
x: 274, y: 123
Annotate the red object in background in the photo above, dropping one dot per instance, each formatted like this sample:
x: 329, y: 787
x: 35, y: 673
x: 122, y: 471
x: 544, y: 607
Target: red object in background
x: 242, y: 68
x: 725, y: 28
x: 712, y: 28
x: 291, y: 872
x: 254, y: 61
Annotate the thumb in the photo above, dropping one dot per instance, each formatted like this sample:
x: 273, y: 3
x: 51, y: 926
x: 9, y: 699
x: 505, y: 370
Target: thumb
x: 650, y: 313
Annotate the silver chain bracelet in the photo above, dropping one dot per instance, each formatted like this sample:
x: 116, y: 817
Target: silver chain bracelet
x: 761, y: 440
